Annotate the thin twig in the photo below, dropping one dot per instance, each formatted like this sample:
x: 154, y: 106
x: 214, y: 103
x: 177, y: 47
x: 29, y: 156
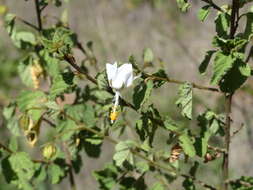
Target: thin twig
x: 194, y: 85
x: 70, y: 166
x: 5, y: 148
x: 38, y: 13
x: 27, y: 23
x: 211, y: 3
x: 44, y: 6
x: 237, y: 131
x: 49, y: 122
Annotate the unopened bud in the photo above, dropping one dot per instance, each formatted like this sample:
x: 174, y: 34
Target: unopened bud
x: 49, y: 151
x: 113, y: 116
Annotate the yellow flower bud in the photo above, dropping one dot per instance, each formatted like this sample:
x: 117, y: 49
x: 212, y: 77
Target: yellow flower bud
x: 113, y: 116
x: 49, y: 151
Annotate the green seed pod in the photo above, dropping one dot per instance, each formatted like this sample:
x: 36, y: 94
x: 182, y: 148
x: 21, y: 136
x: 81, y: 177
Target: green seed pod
x: 49, y: 151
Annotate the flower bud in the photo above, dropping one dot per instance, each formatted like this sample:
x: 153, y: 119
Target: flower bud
x: 49, y: 151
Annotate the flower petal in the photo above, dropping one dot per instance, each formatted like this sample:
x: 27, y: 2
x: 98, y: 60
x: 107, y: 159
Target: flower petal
x: 111, y: 71
x: 125, y: 74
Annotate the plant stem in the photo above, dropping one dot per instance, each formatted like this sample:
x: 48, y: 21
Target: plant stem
x: 70, y: 166
x: 225, y: 165
x: 38, y: 12
x: 228, y: 100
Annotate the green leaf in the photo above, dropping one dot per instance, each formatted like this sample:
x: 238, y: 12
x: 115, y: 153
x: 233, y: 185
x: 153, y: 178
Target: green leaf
x: 58, y: 40
x: 61, y: 83
x: 249, y: 26
x: 24, y: 70
x: 83, y: 113
x: 204, y: 64
x: 9, y: 111
x: 157, y: 186
x: 24, y: 39
x: 142, y: 166
x: 188, y: 184
x: 9, y: 22
x: 245, y: 70
x: 30, y: 99
x: 228, y: 83
x: 51, y: 63
x: 24, y: 169
x: 222, y: 22
x: 222, y: 64
x: 123, y: 152
x: 183, y: 5
x: 13, y: 144
x: 148, y: 55
x: 187, y: 144
x: 102, y: 80
x: 142, y: 93
x: 171, y: 125
x: 107, y: 178
x: 56, y: 172
x: 13, y: 126
x: 210, y: 125
x: 185, y: 100
x: 33, y: 102
x: 203, y: 13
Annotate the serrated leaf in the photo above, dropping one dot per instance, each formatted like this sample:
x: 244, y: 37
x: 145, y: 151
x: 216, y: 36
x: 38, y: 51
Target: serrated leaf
x: 142, y: 93
x: 107, y: 178
x: 30, y: 99
x: 209, y: 126
x: 245, y: 70
x: 24, y: 168
x: 142, y: 166
x: 222, y: 22
x: 185, y: 100
x: 123, y: 152
x: 248, y: 32
x: 222, y: 64
x: 9, y: 111
x: 24, y: 70
x: 203, y: 13
x: 204, y: 64
x: 56, y: 172
x: 102, y: 80
x: 24, y: 39
x: 61, y: 83
x: 33, y: 102
x: 171, y: 125
x: 187, y: 144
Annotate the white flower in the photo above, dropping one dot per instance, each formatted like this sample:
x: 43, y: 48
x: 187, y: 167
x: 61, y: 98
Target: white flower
x: 119, y: 78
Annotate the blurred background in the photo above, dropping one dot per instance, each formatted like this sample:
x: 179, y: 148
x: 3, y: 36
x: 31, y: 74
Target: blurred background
x: 120, y: 28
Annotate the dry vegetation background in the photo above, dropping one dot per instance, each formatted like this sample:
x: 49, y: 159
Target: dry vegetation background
x: 118, y: 29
